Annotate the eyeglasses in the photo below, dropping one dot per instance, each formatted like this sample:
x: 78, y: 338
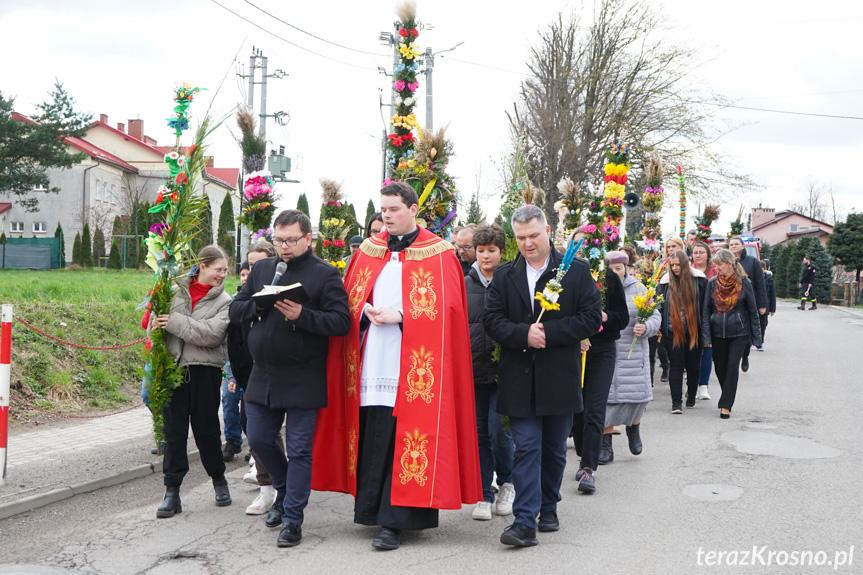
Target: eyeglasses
x: 467, y: 248
x: 279, y: 242
x: 218, y: 271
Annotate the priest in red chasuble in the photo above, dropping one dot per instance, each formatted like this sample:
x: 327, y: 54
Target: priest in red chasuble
x: 399, y: 432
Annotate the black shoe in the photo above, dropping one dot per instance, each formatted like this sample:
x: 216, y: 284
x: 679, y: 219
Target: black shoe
x: 676, y: 408
x: 724, y: 415
x: 230, y: 450
x: 690, y: 401
x: 223, y: 495
x: 586, y: 483
x: 548, y: 521
x: 274, y: 515
x: 171, y: 504
x: 519, y: 535
x: 387, y: 539
x: 634, y: 436
x: 248, y: 456
x: 814, y: 306
x: 664, y: 376
x: 606, y: 452
x: 744, y: 365
x: 802, y: 305
x: 159, y: 449
x: 290, y: 535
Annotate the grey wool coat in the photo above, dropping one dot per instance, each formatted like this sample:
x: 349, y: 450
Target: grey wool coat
x: 631, y: 382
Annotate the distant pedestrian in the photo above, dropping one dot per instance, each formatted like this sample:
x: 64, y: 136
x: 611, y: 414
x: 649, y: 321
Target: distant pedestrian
x: 464, y: 247
x: 374, y: 225
x: 682, y: 288
x: 729, y: 323
x: 701, y: 261
x: 770, y: 287
x: 195, y: 337
x: 752, y: 266
x: 807, y: 285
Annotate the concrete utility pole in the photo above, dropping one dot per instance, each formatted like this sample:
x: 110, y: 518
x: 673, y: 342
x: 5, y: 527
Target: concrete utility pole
x: 389, y: 39
x: 429, y: 89
x: 263, y: 127
x: 252, y: 61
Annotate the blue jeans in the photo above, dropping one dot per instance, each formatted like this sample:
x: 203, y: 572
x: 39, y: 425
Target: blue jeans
x: 706, y: 365
x: 540, y: 458
x: 145, y: 386
x: 495, y: 444
x: 231, y: 414
x: 293, y: 479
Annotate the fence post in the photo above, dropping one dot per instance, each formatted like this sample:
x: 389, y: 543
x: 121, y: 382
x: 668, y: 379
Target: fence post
x: 5, y: 373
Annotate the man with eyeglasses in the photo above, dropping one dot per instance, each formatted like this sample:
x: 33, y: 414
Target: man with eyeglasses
x: 288, y: 383
x: 399, y: 432
x: 465, y: 248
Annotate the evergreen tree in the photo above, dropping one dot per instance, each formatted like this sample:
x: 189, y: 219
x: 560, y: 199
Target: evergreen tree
x: 114, y: 260
x: 779, y: 265
x: 370, y: 211
x: 3, y: 238
x: 226, y: 224
x: 354, y: 224
x: 58, y: 233
x: 794, y: 267
x: 823, y: 263
x: 98, y: 247
x: 76, y: 250
x: 303, y: 204
x: 846, y: 243
x: 31, y: 148
x: 86, y: 247
x: 474, y: 210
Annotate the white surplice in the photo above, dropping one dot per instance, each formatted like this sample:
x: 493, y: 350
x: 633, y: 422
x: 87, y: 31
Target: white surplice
x: 379, y: 381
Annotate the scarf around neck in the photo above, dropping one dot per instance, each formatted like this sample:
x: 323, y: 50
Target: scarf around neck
x: 726, y: 292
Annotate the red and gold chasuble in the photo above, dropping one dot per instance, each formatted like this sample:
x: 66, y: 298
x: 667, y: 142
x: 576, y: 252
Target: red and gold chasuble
x: 436, y: 462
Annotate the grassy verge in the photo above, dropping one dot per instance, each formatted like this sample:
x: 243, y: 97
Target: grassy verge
x: 89, y: 307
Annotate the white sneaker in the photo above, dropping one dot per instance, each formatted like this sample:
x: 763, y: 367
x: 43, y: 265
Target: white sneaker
x: 251, y: 476
x: 702, y: 392
x: 503, y: 505
x: 482, y: 511
x: 261, y: 504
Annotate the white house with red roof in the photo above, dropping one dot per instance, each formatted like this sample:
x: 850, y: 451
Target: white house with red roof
x: 119, y: 168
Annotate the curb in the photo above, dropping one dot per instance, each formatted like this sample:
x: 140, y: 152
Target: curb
x: 41, y: 500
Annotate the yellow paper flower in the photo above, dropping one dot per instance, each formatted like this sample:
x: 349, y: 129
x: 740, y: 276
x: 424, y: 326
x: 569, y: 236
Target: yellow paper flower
x: 616, y: 169
x: 546, y: 305
x: 614, y: 190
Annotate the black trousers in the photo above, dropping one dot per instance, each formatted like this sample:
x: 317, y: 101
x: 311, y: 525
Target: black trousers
x: 655, y: 348
x: 587, y: 426
x: 197, y: 401
x: 727, y: 353
x: 763, y: 320
x: 680, y: 358
x: 373, y: 505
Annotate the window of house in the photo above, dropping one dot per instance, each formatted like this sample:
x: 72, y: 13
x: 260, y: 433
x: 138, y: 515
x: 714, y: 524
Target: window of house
x: 113, y: 193
x: 40, y: 227
x: 98, y: 194
x: 17, y: 227
x: 792, y: 228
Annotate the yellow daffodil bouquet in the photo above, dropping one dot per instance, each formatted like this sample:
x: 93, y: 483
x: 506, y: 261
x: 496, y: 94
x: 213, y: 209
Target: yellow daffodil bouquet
x: 645, y: 304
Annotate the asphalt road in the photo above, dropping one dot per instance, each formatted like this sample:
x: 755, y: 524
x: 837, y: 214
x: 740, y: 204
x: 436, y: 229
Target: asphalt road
x: 781, y: 476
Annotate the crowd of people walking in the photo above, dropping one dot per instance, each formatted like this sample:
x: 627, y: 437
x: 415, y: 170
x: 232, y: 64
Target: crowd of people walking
x: 360, y: 387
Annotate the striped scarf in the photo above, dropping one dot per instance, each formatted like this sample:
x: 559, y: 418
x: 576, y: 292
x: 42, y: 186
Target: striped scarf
x: 726, y: 291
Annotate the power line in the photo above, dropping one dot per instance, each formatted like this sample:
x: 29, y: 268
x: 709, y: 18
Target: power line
x: 801, y: 95
x: 288, y: 41
x: 312, y: 35
x: 783, y: 111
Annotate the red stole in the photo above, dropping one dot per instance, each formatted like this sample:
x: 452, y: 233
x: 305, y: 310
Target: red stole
x: 436, y: 462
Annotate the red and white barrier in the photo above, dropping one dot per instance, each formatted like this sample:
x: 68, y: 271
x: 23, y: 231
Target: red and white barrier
x: 5, y: 373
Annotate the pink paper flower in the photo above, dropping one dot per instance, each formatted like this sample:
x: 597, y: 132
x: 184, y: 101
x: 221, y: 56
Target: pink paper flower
x: 413, y: 86
x: 399, y: 85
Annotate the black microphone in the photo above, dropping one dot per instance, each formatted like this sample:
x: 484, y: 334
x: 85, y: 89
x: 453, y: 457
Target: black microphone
x: 280, y: 269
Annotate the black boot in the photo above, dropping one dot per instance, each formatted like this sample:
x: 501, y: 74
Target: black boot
x: 802, y: 304
x: 171, y: 505
x: 634, y: 436
x: 814, y: 305
x: 223, y: 495
x: 606, y: 452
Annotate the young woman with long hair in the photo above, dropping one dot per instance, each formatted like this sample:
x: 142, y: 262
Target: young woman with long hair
x: 682, y: 288
x: 701, y: 261
x: 672, y: 244
x: 196, y: 329
x: 729, y: 322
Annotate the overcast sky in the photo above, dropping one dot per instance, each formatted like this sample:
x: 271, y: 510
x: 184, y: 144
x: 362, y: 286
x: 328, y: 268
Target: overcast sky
x: 123, y: 59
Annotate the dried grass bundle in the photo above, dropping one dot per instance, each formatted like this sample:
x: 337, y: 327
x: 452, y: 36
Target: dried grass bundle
x: 710, y: 213
x: 533, y: 195
x: 332, y: 191
x: 406, y: 11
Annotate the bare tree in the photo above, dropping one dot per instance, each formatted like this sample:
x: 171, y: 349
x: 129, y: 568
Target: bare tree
x: 595, y: 81
x: 836, y: 208
x: 812, y: 199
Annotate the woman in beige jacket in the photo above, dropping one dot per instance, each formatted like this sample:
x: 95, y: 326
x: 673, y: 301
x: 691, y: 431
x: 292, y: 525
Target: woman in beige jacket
x: 195, y: 337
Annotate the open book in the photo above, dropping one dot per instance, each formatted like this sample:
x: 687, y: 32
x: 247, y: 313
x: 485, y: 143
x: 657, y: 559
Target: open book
x: 271, y: 294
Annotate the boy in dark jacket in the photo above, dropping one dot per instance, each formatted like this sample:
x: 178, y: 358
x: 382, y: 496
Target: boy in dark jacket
x: 770, y: 288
